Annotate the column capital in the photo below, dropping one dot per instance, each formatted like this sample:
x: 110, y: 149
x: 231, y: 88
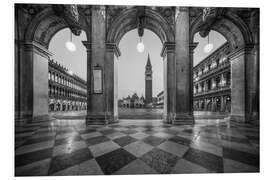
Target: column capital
x: 38, y: 48
x: 192, y: 46
x: 183, y: 9
x: 168, y: 47
x: 246, y: 49
x: 112, y: 47
x: 88, y: 45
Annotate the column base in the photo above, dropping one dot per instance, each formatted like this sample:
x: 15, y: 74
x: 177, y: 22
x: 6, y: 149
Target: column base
x: 253, y: 119
x: 22, y: 118
x: 178, y: 119
x: 237, y: 118
x: 96, y: 120
x: 183, y: 119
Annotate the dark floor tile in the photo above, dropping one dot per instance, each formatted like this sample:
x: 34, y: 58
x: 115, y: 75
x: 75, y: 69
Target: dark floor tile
x: 180, y: 140
x: 170, y: 131
x: 189, y: 131
x: 38, y: 140
x: 107, y: 131
x: 86, y: 131
x: 68, y: 140
x: 153, y: 140
x: 150, y: 131
x: 64, y: 131
x: 96, y: 140
x: 129, y: 131
x: 209, y: 161
x: 114, y: 160
x: 67, y: 160
x: 115, y: 125
x: 24, y: 131
x: 235, y: 139
x: 31, y: 157
x: 160, y: 160
x: 125, y: 140
x: 240, y: 156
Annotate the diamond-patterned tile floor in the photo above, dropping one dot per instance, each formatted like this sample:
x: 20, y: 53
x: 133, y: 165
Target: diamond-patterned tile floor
x: 69, y: 147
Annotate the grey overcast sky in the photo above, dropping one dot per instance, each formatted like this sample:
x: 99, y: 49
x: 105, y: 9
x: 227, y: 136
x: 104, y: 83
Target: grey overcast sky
x: 131, y: 63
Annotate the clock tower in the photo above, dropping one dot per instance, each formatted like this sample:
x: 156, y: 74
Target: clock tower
x: 148, y: 81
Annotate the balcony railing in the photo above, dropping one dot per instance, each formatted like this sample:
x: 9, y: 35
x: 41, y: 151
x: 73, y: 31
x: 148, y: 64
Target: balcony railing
x: 214, y: 90
x: 211, y: 71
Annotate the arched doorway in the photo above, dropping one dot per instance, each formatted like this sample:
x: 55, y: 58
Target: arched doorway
x: 177, y: 69
x: 243, y: 57
x: 32, y: 55
x: 140, y: 75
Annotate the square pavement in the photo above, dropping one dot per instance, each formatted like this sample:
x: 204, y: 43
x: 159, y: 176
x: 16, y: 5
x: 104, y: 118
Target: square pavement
x: 69, y: 147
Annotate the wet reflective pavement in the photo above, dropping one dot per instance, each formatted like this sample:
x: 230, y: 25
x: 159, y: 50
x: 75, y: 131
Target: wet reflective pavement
x: 69, y: 147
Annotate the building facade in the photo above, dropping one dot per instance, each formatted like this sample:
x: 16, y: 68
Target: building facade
x: 148, y: 82
x: 212, y: 82
x: 67, y: 91
x: 132, y: 102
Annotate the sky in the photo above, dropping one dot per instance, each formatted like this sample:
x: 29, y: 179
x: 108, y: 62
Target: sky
x: 131, y: 63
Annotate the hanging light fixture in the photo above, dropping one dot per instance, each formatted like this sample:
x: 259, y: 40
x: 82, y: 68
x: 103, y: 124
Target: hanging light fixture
x: 209, y: 46
x: 140, y: 45
x: 70, y: 45
x: 140, y: 22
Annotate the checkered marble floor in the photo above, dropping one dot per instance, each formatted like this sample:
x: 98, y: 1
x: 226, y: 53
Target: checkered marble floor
x: 69, y: 147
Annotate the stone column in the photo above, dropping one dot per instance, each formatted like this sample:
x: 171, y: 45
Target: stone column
x: 168, y: 54
x: 110, y: 82
x: 96, y: 102
x: 222, y: 103
x: 184, y: 94
x: 213, y: 104
x: 33, y: 84
x: 244, y: 85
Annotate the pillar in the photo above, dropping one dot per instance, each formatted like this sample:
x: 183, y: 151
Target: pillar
x: 96, y: 50
x: 168, y: 54
x: 33, y: 82
x: 184, y: 65
x: 244, y: 86
x: 111, y: 82
x: 222, y: 103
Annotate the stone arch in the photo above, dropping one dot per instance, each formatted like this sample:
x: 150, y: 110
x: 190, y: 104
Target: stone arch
x: 46, y: 24
x: 244, y: 79
x: 232, y: 27
x: 126, y: 21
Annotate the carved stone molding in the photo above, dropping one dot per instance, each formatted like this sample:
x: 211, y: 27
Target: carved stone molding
x: 36, y: 47
x: 112, y: 47
x: 168, y: 47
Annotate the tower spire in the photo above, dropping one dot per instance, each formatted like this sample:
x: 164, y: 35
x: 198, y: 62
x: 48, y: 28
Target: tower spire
x: 148, y: 61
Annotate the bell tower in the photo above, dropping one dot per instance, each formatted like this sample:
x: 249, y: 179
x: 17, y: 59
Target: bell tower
x: 148, y: 81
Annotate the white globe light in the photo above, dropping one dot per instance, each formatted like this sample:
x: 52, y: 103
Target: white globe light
x: 140, y: 47
x: 208, y: 48
x: 70, y: 46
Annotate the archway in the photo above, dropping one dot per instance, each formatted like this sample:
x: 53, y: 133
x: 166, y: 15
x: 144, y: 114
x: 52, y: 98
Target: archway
x: 210, y: 71
x: 175, y: 52
x: 32, y: 55
x: 140, y: 75
x: 67, y: 70
x: 243, y: 58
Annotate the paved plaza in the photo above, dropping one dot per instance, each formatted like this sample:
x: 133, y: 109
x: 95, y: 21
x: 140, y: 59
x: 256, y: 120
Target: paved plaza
x: 127, y: 113
x: 69, y: 147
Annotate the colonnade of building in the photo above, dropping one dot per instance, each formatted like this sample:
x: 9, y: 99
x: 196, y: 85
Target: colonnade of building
x: 67, y: 91
x: 35, y: 25
x: 212, y: 82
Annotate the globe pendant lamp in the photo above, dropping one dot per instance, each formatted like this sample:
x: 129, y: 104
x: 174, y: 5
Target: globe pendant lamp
x: 140, y: 46
x: 208, y: 47
x: 70, y: 45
